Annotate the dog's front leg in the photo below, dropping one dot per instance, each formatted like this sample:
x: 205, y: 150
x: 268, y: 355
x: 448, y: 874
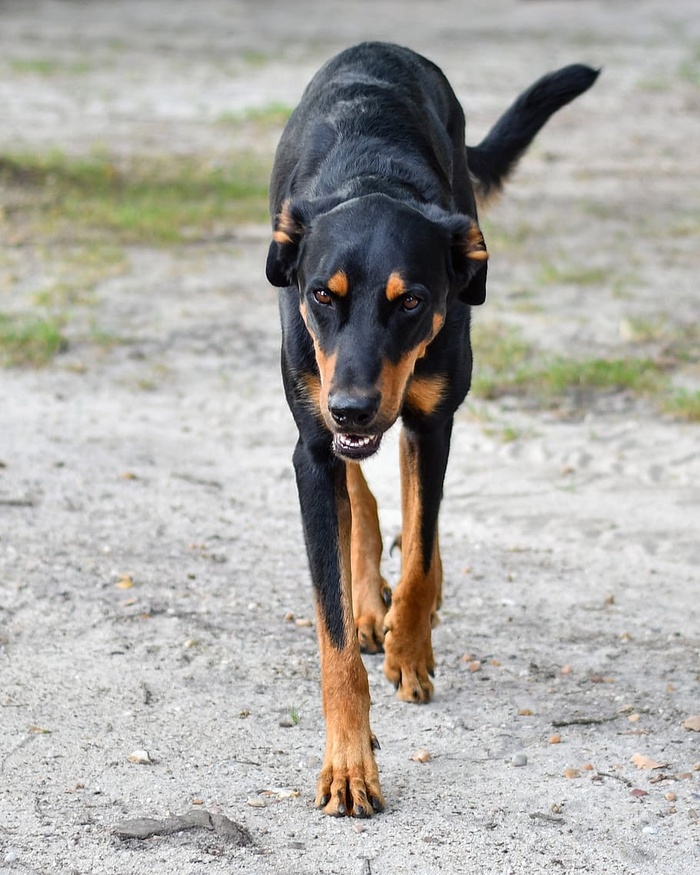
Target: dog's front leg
x: 349, y: 780
x: 409, y: 662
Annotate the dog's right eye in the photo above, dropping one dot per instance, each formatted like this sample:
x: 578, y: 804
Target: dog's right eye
x: 322, y: 297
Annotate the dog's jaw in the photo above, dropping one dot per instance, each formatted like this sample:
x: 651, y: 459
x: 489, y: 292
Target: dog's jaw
x: 356, y: 447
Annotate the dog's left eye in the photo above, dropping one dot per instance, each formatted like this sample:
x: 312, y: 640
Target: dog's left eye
x: 410, y: 302
x: 322, y: 297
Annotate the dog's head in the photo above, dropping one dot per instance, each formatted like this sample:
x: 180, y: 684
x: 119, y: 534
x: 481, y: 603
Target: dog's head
x: 374, y: 277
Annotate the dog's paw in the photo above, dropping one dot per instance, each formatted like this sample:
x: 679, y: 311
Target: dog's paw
x: 348, y: 789
x: 370, y: 609
x: 409, y: 662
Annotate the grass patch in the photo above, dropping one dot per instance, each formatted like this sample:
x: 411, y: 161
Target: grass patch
x: 149, y: 201
x: 684, y: 405
x: 47, y: 67
x: 502, y: 360
x: 29, y: 341
x: 551, y: 273
x: 505, y: 364
x: 566, y: 375
x: 268, y: 117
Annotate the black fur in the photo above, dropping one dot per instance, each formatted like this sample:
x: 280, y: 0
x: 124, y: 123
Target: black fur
x: 372, y: 177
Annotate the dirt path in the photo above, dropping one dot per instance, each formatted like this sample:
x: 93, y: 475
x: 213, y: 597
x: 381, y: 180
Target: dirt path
x: 150, y: 547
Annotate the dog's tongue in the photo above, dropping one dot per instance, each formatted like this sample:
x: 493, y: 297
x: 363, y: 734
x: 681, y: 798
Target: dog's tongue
x: 356, y: 446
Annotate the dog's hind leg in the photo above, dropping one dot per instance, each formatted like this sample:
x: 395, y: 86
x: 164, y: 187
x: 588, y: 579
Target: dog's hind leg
x: 371, y: 594
x: 409, y: 662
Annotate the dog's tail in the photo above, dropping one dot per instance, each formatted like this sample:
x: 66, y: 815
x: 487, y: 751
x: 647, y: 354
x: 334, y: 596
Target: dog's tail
x: 491, y: 162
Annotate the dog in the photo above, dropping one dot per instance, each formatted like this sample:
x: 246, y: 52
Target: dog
x: 377, y: 246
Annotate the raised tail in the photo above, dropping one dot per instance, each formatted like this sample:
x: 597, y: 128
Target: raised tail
x: 491, y: 162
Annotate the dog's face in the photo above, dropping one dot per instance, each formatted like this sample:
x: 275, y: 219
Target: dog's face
x: 373, y: 276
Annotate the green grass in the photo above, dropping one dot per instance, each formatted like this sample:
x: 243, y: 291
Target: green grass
x: 29, y: 340
x: 683, y: 404
x: 505, y: 364
x: 551, y: 273
x: 47, y: 67
x: 149, y: 201
x: 268, y: 117
x: 563, y: 375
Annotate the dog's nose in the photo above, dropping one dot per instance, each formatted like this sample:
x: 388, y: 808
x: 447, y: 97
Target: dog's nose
x: 353, y: 411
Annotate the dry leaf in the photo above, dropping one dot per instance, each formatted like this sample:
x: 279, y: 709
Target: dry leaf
x: 692, y: 723
x: 644, y: 762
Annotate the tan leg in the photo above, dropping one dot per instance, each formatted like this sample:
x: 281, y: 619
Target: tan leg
x: 371, y: 594
x: 409, y: 662
x: 349, y: 780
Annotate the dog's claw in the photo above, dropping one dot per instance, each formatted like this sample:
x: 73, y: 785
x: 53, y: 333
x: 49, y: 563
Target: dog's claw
x: 377, y: 804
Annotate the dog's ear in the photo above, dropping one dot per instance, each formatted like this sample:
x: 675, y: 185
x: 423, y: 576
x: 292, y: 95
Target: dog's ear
x: 469, y: 259
x: 291, y: 224
x: 283, y: 255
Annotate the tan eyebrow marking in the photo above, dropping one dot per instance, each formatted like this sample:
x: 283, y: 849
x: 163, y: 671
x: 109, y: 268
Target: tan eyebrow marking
x: 395, y: 286
x: 338, y: 284
x: 475, y: 247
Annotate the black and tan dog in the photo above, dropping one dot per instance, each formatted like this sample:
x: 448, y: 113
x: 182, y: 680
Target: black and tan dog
x: 377, y: 247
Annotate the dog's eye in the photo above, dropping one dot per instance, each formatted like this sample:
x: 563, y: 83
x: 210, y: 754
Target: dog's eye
x: 322, y: 297
x: 410, y: 302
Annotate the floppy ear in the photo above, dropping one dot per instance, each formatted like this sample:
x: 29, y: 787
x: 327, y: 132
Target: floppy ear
x: 282, y: 257
x: 291, y: 223
x: 469, y: 258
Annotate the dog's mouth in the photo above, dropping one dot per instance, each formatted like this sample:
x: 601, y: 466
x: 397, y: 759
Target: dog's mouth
x: 356, y: 447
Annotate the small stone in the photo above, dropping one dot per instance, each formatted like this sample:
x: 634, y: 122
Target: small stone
x: 140, y: 757
x: 554, y: 739
x: 256, y: 802
x: 10, y: 856
x: 649, y: 830
x: 670, y: 797
x: 421, y: 756
x: 286, y: 723
x: 571, y: 773
x: 519, y: 759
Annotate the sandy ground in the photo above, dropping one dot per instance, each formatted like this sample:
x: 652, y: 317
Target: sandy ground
x: 571, y: 553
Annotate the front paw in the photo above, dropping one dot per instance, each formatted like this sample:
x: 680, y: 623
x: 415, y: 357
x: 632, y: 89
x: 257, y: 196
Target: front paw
x: 349, y: 783
x: 409, y: 662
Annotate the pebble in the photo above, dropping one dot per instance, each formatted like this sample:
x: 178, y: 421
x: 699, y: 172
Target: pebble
x: 10, y: 856
x: 649, y: 830
x: 140, y: 757
x: 519, y: 759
